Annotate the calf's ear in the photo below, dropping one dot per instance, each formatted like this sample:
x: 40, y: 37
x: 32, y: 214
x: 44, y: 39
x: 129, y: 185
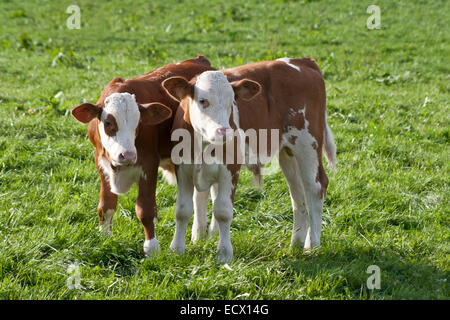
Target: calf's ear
x: 85, y: 112
x: 154, y: 113
x: 245, y: 89
x: 201, y: 59
x: 177, y: 87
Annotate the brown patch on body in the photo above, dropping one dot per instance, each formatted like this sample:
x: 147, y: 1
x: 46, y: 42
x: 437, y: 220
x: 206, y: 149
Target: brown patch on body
x: 299, y: 120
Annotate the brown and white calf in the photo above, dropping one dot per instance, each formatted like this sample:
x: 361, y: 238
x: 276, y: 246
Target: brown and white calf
x: 129, y: 127
x: 287, y: 97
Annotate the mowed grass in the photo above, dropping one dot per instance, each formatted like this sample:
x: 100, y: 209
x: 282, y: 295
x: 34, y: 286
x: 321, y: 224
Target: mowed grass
x: 387, y: 205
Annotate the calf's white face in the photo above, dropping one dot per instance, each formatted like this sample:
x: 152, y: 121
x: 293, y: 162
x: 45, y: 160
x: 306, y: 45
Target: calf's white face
x: 211, y: 107
x: 117, y: 127
x: 118, y: 123
x: 209, y: 102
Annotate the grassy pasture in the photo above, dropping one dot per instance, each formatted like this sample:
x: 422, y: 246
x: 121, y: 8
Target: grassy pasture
x: 387, y: 205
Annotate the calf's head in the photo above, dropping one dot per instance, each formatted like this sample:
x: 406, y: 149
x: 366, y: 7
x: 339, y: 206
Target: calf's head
x: 118, y: 123
x: 209, y: 100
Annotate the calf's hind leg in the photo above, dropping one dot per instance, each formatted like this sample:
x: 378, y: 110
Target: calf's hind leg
x: 289, y: 166
x: 307, y: 153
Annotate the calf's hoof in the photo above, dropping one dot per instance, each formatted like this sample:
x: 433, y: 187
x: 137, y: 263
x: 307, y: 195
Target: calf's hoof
x: 224, y: 255
x: 177, y: 248
x: 151, y: 248
x: 105, y: 232
x: 297, y: 240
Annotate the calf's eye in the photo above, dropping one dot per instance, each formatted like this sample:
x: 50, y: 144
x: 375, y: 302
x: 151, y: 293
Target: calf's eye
x: 204, y: 102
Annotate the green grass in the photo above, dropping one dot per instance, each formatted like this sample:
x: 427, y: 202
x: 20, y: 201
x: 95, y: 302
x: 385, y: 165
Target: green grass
x: 387, y: 205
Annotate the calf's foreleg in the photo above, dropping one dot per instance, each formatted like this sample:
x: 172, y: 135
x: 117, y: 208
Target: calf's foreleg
x: 183, y: 209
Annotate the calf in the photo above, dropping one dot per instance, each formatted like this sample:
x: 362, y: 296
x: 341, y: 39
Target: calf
x: 286, y: 97
x: 129, y: 127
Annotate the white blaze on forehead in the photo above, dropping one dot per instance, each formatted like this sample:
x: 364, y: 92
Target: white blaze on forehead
x: 124, y: 109
x: 288, y: 62
x: 215, y: 83
x: 214, y: 87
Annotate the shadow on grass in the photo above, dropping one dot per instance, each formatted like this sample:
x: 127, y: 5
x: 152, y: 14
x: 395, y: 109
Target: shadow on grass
x: 343, y: 271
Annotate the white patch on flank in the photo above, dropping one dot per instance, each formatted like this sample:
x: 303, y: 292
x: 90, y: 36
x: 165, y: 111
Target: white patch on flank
x: 304, y: 142
x: 122, y: 178
x: 105, y: 228
x: 288, y: 62
x: 151, y: 248
x: 308, y: 163
x: 125, y: 110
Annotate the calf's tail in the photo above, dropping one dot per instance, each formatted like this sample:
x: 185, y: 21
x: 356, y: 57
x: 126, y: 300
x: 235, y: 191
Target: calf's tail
x: 329, y: 148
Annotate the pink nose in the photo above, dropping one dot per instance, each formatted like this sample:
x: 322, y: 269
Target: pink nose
x: 127, y: 156
x: 223, y: 131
